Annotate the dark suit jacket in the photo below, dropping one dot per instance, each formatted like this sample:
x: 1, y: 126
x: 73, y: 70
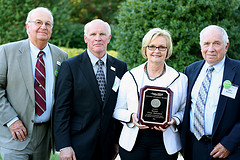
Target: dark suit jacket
x: 80, y: 118
x: 226, y: 127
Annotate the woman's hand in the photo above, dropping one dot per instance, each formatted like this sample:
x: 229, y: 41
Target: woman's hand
x: 135, y: 122
x: 172, y: 122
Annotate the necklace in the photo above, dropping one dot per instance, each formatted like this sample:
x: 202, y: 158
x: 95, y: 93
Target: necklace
x: 164, y: 68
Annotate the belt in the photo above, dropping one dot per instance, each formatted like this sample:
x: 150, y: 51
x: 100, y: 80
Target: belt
x: 206, y: 138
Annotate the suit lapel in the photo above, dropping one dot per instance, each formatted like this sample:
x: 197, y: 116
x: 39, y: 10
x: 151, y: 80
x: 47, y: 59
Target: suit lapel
x: 228, y: 74
x: 87, y: 70
x: 25, y: 65
x: 194, y: 74
x: 111, y: 74
x: 56, y: 61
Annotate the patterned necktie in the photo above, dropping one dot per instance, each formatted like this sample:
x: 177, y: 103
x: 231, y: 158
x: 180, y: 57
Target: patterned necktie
x: 101, y: 79
x: 39, y: 85
x: 200, y: 104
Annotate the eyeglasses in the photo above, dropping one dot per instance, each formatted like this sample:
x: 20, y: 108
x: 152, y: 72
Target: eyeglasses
x: 40, y: 23
x: 153, y: 48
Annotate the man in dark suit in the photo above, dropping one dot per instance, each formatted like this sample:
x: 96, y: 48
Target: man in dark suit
x: 25, y: 133
x: 217, y: 134
x: 83, y: 123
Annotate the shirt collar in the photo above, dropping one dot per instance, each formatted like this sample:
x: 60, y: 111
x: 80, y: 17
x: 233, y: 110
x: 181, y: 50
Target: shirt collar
x: 217, y: 67
x: 94, y: 59
x: 35, y: 50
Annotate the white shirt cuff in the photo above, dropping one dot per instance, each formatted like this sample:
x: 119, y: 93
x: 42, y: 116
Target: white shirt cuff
x: 177, y: 120
x: 12, y: 121
x: 64, y: 148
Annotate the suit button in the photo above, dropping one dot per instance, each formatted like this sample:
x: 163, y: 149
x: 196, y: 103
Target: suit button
x: 32, y: 121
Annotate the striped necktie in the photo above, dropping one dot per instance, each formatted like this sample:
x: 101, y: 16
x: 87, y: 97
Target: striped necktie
x: 200, y: 104
x: 39, y: 85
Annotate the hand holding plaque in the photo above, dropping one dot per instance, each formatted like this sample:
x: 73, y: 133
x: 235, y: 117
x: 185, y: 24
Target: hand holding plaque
x: 155, y: 106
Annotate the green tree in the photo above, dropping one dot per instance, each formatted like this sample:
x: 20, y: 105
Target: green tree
x: 83, y: 11
x: 183, y: 18
x: 87, y: 10
x: 14, y: 14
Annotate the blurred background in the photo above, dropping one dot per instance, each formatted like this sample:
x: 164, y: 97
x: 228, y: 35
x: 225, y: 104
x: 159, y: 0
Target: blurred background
x: 130, y: 20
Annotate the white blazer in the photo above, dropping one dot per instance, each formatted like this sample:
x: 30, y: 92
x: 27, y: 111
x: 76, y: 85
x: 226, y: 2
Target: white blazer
x: 127, y: 103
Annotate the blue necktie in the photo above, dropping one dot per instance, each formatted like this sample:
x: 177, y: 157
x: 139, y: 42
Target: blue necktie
x: 200, y: 104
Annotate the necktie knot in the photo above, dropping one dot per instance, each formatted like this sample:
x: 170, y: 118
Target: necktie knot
x: 210, y: 69
x: 40, y: 54
x: 100, y: 62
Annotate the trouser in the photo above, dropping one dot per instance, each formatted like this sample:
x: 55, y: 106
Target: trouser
x: 149, y: 146
x: 37, y: 149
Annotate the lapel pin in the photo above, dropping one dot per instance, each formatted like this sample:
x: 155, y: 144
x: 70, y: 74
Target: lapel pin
x: 56, y: 72
x: 227, y: 84
x: 112, y: 68
x: 58, y: 63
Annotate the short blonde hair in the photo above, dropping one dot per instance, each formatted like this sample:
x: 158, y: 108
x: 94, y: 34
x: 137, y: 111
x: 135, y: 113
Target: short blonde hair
x: 151, y: 35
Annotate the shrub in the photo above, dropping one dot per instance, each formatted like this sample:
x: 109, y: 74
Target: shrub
x: 183, y: 18
x: 75, y: 51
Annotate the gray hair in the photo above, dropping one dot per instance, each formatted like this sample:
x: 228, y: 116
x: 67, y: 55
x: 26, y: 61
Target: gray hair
x: 97, y: 20
x: 224, y: 33
x: 35, y: 9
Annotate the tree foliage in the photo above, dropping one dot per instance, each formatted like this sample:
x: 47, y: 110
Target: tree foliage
x: 183, y: 18
x: 14, y: 14
x: 86, y: 10
x: 70, y: 16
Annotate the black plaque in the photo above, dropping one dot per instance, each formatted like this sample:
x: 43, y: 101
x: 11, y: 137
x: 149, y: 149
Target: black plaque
x: 155, y: 106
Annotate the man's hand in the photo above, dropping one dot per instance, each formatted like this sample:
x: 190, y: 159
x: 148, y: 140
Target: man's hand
x: 67, y: 154
x: 219, y: 151
x: 18, y: 131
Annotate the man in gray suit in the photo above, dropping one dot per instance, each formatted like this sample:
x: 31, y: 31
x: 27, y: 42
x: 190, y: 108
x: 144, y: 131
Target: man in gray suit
x: 25, y: 123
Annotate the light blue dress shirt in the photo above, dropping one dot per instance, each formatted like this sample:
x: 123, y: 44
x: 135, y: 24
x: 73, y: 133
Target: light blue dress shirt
x: 47, y: 57
x: 212, y: 98
x: 94, y: 60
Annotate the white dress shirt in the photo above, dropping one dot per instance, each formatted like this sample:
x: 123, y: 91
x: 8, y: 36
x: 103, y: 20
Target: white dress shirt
x: 212, y: 98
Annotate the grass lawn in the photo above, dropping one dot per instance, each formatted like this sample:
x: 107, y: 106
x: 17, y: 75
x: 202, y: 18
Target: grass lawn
x: 53, y: 157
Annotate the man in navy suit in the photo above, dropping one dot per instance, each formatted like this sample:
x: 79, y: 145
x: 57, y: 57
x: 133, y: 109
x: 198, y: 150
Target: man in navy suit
x: 83, y: 125
x: 221, y: 113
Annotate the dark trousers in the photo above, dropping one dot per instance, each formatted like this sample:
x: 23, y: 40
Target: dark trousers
x: 98, y: 152
x: 201, y: 149
x: 149, y: 146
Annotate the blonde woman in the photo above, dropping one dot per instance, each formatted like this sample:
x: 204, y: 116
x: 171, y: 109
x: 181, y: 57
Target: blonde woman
x: 140, y: 141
